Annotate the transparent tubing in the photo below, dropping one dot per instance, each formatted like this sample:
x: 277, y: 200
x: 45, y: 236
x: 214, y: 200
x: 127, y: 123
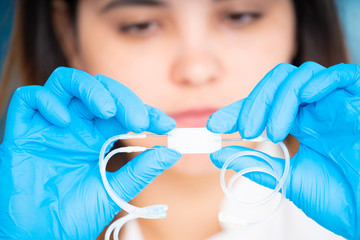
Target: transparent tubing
x: 154, y: 211
x: 117, y: 225
x: 227, y: 188
x: 159, y: 211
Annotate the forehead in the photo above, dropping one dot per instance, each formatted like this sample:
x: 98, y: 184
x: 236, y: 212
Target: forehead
x: 109, y: 4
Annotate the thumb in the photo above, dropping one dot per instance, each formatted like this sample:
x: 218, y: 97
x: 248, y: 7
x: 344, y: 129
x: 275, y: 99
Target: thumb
x: 247, y: 161
x: 132, y: 178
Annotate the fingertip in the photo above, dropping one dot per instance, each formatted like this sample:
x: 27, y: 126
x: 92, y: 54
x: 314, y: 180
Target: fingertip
x: 60, y: 117
x: 248, y: 132
x: 174, y: 153
x: 160, y: 123
x: 225, y: 119
x: 214, y: 155
x: 274, y: 136
x: 108, y: 110
x: 216, y: 126
x: 137, y: 120
x: 65, y: 120
x: 271, y: 138
x: 215, y: 159
x: 217, y: 123
x: 169, y: 124
x: 241, y: 128
x: 212, y: 126
x: 103, y: 104
x: 172, y: 123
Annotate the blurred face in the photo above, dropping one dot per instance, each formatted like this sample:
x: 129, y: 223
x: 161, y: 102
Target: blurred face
x: 186, y: 57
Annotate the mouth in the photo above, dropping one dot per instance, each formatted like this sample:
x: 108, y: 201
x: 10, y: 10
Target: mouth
x: 196, y: 117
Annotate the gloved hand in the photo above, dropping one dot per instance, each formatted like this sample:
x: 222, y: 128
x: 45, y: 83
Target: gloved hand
x: 50, y: 184
x: 321, y: 108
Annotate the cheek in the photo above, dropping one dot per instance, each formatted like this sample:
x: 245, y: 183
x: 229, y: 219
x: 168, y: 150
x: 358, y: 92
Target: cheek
x: 133, y: 68
x: 253, y: 55
x: 247, y: 65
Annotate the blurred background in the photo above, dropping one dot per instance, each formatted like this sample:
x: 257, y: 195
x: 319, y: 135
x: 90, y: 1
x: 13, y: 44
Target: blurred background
x: 6, y: 17
x: 349, y: 11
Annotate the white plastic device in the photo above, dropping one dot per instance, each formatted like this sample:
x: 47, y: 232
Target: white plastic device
x: 194, y: 140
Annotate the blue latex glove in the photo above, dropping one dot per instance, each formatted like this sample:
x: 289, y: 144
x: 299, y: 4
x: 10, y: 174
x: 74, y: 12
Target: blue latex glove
x: 321, y: 108
x: 50, y: 184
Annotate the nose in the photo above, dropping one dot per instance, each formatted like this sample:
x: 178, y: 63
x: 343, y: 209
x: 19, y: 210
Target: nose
x: 195, y: 67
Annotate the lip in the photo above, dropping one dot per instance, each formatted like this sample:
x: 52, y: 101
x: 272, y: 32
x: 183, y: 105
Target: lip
x: 196, y: 117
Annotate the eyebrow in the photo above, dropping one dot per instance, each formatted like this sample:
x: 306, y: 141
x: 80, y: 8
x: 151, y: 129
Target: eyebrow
x: 124, y: 3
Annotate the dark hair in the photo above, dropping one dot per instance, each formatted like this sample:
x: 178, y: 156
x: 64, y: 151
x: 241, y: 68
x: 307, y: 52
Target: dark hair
x: 319, y: 33
x: 35, y: 51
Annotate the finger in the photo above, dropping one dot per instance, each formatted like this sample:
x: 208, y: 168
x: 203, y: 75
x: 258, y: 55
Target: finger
x: 110, y: 127
x: 286, y: 101
x: 131, y: 111
x: 225, y: 120
x: 24, y: 105
x: 345, y: 76
x: 77, y: 107
x: 254, y: 112
x: 67, y: 83
x: 220, y: 157
x: 141, y: 171
x: 160, y: 123
x: 107, y: 127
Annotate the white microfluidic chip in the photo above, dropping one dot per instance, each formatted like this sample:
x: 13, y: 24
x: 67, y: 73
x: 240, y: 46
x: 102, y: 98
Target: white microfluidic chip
x: 194, y: 140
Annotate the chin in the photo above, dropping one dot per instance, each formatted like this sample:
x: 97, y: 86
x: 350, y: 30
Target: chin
x: 194, y: 164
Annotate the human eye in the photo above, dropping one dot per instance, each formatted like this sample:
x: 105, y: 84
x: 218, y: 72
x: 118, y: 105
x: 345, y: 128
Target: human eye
x: 240, y: 19
x: 141, y: 28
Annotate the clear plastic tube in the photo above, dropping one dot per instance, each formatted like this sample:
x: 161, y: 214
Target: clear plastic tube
x: 280, y: 186
x: 154, y: 211
x: 117, y: 225
x: 159, y: 211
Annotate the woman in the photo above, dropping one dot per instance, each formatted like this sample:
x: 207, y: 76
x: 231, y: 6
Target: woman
x: 187, y: 58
